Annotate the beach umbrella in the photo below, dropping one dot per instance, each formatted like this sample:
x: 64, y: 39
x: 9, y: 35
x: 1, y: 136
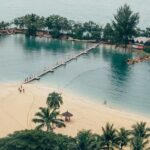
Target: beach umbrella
x: 67, y: 115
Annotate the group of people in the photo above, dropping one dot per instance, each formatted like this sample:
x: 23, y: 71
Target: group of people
x: 21, y: 89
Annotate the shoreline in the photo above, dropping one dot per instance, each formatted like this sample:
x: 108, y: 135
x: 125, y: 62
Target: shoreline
x: 95, y: 100
x: 85, y: 98
x: 129, y: 48
x: 88, y: 114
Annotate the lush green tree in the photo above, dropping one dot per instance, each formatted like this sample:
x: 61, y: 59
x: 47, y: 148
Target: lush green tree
x: 19, y: 22
x: 124, y: 25
x: 123, y: 138
x: 87, y: 141
x: 48, y: 118
x: 66, y: 143
x: 97, y: 33
x: 37, y: 140
x: 109, y: 137
x: 108, y: 32
x: 54, y: 100
x: 137, y: 143
x: 29, y: 140
x: 141, y: 135
x: 77, y: 31
x: 92, y: 31
x: 140, y: 130
x: 57, y: 25
x: 4, y: 25
x: 71, y: 24
x: 33, y: 23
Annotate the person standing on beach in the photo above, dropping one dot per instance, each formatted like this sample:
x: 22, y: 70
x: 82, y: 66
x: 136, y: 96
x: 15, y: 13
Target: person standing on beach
x: 105, y: 102
x: 19, y: 89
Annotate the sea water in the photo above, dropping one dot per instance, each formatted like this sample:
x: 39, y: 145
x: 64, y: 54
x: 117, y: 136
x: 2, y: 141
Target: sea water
x: 101, y: 75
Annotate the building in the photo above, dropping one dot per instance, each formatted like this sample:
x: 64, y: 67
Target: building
x: 139, y: 42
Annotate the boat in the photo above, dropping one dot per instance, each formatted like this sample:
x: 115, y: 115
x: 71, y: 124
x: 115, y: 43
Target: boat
x: 138, y: 46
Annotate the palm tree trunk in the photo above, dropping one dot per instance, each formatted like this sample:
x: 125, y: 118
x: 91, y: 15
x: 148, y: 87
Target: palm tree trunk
x: 108, y: 147
x: 48, y: 128
x: 121, y: 147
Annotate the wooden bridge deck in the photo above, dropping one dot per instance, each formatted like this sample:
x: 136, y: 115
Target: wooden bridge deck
x: 51, y: 69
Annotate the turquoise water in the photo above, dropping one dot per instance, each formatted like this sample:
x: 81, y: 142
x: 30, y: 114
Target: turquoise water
x: 100, y: 75
x: 100, y: 11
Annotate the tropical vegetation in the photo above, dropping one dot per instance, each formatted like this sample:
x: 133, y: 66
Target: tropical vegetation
x: 120, y: 31
x: 4, y: 25
x: 111, y: 138
x: 124, y: 25
x: 54, y: 100
x: 48, y: 117
x: 44, y: 138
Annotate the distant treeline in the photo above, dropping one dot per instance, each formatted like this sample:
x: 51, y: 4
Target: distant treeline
x: 120, y: 31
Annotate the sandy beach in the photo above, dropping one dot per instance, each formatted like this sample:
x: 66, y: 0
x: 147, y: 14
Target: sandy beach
x: 17, y: 111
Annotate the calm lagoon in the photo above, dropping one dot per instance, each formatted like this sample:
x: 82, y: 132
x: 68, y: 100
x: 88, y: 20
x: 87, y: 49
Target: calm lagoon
x: 100, y: 75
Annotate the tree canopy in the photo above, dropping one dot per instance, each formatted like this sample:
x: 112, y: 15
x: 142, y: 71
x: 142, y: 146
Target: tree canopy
x: 36, y: 140
x: 111, y: 138
x: 4, y: 25
x: 124, y: 24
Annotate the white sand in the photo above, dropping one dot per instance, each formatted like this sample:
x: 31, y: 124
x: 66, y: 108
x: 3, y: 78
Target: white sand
x: 17, y: 111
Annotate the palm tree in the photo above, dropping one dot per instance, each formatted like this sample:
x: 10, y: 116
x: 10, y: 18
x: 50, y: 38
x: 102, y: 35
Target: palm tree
x: 140, y: 130
x: 54, y: 100
x: 140, y: 136
x: 137, y: 143
x: 109, y: 137
x: 123, y: 138
x: 48, y: 118
x: 87, y: 141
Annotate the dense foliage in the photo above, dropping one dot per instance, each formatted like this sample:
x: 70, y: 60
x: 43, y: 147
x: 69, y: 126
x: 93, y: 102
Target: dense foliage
x: 136, y: 139
x: 48, y: 117
x: 124, y: 24
x: 108, y: 32
x: 58, y: 26
x: 36, y: 140
x: 122, y: 29
x: 54, y: 100
x: 4, y: 25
